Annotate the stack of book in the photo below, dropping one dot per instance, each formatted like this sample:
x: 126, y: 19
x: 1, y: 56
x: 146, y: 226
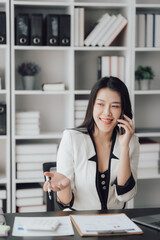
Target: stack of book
x: 106, y: 30
x: 111, y: 66
x: 30, y: 159
x: 148, y: 31
x: 80, y: 111
x: 148, y: 166
x: 29, y: 198
x: 28, y: 123
x: 79, y: 27
x: 3, y: 197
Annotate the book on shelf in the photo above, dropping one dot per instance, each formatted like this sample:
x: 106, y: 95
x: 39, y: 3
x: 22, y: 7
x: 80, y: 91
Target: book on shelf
x: 149, y: 31
x: 157, y: 30
x: 36, y: 29
x: 57, y: 86
x: 34, y: 208
x: 97, y: 30
x: 141, y: 30
x: 28, y: 190
x: 27, y: 121
x: 29, y: 166
x: 52, y: 28
x: 149, y: 156
x: 26, y: 132
x: 22, y: 29
x: 3, y: 204
x: 111, y: 66
x: 147, y: 173
x: 79, y: 26
x: 76, y: 27
x: 143, y: 163
x: 64, y: 30
x: 149, y: 145
x: 27, y: 114
x: 113, y: 31
x: 29, y: 201
x: 2, y: 27
x: 80, y: 114
x: 81, y: 103
x: 30, y: 174
x: 27, y: 126
x: 108, y: 23
x: 36, y: 158
x: 36, y: 148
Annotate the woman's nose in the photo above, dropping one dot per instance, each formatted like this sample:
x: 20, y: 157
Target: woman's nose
x: 107, y: 111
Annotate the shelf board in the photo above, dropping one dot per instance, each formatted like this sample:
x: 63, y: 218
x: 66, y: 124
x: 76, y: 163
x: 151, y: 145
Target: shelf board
x: 114, y: 48
x: 42, y: 3
x: 100, y: 5
x: 145, y: 49
x: 3, y: 46
x: 157, y: 176
x: 149, y: 5
x: 146, y: 92
x: 42, y: 48
x: 40, y: 92
x: 43, y: 135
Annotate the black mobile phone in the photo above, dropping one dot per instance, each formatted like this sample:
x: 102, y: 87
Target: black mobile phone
x: 121, y: 129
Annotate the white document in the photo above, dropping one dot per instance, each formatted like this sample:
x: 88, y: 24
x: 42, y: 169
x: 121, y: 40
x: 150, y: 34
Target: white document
x: 21, y: 226
x: 105, y: 223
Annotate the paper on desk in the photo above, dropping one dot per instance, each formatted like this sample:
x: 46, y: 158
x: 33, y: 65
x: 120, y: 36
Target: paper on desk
x: 20, y: 227
x: 95, y: 224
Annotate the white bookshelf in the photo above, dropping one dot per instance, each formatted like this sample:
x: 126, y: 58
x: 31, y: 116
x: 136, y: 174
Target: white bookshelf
x: 5, y: 164
x: 77, y: 67
x: 146, y: 110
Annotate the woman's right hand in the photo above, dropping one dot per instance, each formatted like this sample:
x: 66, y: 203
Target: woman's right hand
x: 57, y: 183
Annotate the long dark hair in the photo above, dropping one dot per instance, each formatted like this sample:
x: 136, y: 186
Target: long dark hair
x: 114, y: 84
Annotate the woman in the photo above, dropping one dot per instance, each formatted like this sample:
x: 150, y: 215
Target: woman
x: 96, y: 166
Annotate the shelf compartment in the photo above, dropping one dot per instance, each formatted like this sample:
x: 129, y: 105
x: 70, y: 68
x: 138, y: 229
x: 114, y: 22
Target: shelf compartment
x: 56, y: 111
x: 51, y: 71
x: 146, y: 111
x: 145, y: 59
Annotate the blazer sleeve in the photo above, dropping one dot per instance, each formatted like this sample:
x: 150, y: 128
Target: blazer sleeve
x: 128, y: 191
x: 65, y: 159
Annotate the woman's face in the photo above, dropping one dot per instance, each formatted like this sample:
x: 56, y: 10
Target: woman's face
x: 107, y: 109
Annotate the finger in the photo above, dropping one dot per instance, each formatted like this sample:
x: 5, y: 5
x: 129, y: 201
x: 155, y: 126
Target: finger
x: 45, y: 186
x: 128, y: 119
x: 49, y: 174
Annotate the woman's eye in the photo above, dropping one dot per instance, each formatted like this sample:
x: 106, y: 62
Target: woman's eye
x: 115, y: 106
x: 100, y: 104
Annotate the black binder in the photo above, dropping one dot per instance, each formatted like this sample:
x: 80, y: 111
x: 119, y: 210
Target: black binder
x: 2, y: 28
x: 52, y: 30
x: 36, y: 29
x: 64, y: 30
x: 2, y: 119
x: 22, y: 29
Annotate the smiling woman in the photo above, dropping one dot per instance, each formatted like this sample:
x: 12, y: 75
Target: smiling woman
x: 96, y: 166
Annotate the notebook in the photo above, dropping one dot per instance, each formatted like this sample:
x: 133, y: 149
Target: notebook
x: 152, y: 221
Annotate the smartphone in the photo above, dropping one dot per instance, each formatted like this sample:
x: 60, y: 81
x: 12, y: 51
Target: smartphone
x: 121, y: 129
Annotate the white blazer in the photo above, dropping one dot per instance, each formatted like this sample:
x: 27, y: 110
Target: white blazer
x: 77, y: 160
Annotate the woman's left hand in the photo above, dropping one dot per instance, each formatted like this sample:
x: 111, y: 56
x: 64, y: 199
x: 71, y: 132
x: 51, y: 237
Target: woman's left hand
x: 128, y: 126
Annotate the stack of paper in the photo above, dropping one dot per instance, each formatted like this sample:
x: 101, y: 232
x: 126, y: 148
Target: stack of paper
x: 80, y: 111
x: 106, y: 30
x: 28, y: 123
x: 29, y: 198
x: 30, y: 158
x: 149, y: 158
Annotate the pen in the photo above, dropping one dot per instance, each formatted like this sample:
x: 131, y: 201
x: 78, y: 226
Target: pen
x: 111, y: 231
x: 49, y: 190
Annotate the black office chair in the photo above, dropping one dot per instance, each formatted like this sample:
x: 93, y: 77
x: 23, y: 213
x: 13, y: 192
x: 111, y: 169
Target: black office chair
x: 52, y: 204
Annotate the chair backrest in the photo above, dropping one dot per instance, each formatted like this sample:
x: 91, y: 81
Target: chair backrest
x: 51, y: 204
